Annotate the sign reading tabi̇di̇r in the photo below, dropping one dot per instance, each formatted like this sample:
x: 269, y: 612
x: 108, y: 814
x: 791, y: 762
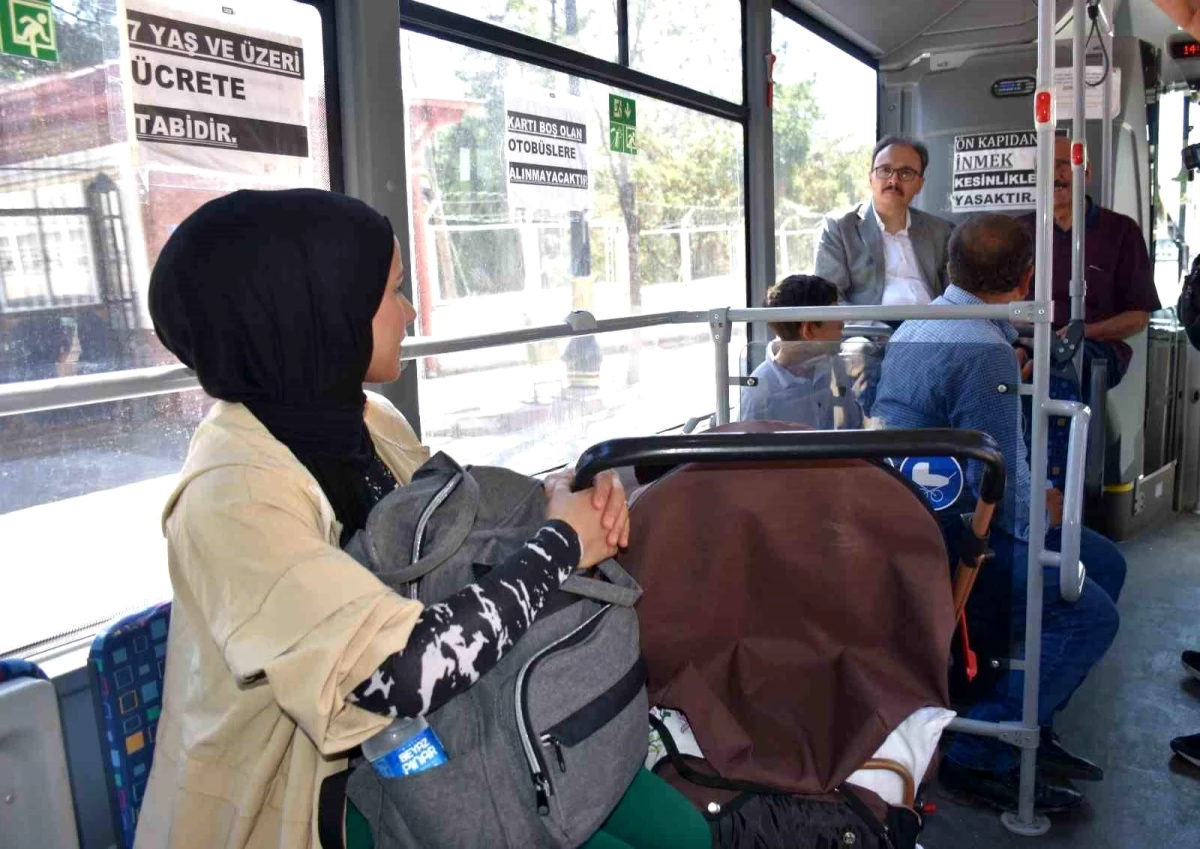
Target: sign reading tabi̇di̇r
x: 546, y: 153
x: 994, y: 172
x: 622, y: 124
x: 27, y: 29
x: 217, y: 95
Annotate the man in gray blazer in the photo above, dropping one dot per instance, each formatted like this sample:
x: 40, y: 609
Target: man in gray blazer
x: 884, y: 252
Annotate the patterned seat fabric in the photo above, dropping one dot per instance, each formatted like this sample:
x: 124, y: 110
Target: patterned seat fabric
x: 126, y: 666
x: 14, y: 668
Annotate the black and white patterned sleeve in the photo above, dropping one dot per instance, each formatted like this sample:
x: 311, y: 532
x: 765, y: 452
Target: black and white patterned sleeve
x: 458, y: 640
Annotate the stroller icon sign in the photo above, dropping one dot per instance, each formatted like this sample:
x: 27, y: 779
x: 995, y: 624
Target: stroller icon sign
x: 940, y: 479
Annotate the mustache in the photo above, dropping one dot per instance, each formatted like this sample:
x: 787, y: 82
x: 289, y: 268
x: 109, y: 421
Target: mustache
x: 1059, y: 184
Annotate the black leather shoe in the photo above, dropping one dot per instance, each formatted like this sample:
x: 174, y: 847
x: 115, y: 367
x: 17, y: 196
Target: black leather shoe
x: 1000, y: 790
x: 1053, y: 759
x: 1187, y: 748
x: 1191, y: 662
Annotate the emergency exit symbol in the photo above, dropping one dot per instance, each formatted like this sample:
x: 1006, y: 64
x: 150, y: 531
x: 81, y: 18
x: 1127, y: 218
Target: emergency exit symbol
x: 622, y: 128
x: 27, y: 29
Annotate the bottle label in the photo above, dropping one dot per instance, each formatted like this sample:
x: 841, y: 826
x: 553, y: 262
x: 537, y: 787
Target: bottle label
x: 416, y: 754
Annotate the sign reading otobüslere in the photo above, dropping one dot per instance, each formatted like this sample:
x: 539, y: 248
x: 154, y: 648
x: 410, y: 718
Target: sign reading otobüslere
x: 546, y: 152
x: 216, y: 94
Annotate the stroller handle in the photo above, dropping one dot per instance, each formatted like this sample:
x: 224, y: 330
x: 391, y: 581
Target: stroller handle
x: 782, y: 446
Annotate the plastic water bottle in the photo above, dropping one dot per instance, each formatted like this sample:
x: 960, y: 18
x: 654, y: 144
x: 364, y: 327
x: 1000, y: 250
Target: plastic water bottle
x: 404, y: 747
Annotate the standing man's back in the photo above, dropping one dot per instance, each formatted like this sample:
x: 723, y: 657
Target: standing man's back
x: 885, y: 252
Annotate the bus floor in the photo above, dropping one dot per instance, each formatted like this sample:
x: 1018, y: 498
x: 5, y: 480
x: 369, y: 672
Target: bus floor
x: 1134, y: 702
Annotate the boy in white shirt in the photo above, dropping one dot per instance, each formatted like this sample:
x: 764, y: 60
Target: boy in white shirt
x: 803, y: 379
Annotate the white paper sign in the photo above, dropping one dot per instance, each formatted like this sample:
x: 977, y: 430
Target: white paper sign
x: 1064, y: 86
x: 994, y: 172
x: 216, y: 94
x: 546, y: 153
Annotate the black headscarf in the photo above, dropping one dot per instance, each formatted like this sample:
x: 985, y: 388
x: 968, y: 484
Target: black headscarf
x: 269, y: 297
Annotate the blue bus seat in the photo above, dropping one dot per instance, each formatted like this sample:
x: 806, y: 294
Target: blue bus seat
x: 126, y: 665
x: 13, y: 668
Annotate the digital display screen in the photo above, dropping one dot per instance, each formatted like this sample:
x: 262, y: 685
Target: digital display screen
x: 1185, y: 49
x: 1014, y: 87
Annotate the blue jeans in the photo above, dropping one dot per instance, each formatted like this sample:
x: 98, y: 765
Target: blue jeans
x: 1074, y: 636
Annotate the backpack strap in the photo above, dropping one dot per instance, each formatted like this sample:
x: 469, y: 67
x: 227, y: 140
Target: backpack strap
x: 451, y: 534
x: 331, y: 810
x: 620, y: 588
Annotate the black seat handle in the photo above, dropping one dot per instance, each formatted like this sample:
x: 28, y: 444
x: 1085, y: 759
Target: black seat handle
x: 782, y: 446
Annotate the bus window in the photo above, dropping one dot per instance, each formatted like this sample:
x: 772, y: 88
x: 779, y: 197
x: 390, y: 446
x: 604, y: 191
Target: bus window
x: 589, y: 26
x: 109, y: 145
x: 824, y: 121
x: 527, y: 205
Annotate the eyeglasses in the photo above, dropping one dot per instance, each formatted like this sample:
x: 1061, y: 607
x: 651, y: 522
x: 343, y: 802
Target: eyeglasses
x: 886, y: 172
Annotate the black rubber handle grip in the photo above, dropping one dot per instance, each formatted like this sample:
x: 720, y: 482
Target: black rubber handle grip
x: 797, y: 445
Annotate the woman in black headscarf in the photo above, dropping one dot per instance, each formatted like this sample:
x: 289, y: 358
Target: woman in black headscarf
x: 283, y: 651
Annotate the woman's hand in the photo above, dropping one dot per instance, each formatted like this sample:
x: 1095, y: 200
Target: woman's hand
x: 600, y: 515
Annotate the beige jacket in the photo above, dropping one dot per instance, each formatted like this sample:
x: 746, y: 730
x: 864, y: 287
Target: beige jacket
x: 272, y: 626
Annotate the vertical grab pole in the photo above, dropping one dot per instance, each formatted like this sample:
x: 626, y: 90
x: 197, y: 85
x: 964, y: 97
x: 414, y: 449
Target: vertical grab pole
x: 1106, y: 124
x: 722, y: 332
x: 1027, y: 821
x: 1078, y: 173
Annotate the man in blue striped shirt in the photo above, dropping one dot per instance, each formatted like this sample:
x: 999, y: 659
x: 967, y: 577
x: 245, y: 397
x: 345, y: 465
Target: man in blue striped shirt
x: 965, y: 374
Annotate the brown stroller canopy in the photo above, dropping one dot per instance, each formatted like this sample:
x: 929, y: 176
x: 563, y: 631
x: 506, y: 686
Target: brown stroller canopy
x: 796, y: 612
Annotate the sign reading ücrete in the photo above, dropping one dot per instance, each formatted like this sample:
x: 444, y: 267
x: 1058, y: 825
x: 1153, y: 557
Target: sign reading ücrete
x: 994, y: 172
x: 546, y: 153
x: 217, y: 95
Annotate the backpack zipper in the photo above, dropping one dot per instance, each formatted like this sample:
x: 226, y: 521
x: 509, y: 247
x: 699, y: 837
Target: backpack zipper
x: 410, y: 589
x: 542, y: 787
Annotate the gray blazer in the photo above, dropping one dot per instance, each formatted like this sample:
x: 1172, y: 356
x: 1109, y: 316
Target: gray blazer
x: 851, y: 254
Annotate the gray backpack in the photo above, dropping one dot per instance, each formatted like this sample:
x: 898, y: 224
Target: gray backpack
x: 544, y: 745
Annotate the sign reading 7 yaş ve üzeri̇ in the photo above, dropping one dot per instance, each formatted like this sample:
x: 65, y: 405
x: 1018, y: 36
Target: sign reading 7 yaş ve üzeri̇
x: 217, y: 94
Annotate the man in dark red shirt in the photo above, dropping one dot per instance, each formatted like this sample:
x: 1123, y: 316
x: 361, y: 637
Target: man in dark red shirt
x: 1120, y: 279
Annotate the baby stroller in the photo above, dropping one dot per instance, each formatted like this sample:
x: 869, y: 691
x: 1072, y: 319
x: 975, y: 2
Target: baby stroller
x: 798, y: 612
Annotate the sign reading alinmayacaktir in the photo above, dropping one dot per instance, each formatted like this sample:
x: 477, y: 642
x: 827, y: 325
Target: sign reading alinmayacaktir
x: 546, y: 153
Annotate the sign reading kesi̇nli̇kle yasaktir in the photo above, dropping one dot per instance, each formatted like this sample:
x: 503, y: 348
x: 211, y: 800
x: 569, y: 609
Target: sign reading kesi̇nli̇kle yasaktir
x: 994, y: 172
x: 217, y: 94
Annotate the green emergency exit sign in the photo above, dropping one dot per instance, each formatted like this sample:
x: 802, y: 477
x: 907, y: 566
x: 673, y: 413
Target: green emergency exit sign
x: 27, y: 29
x: 622, y: 124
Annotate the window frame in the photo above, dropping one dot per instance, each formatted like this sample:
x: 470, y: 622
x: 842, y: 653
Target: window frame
x: 333, y: 92
x: 828, y: 33
x: 425, y: 19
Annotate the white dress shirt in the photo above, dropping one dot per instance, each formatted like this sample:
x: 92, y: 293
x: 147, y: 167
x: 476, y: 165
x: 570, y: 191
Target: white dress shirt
x: 903, y: 282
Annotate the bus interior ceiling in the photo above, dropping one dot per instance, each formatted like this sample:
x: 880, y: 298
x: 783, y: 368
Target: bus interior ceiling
x: 945, y: 68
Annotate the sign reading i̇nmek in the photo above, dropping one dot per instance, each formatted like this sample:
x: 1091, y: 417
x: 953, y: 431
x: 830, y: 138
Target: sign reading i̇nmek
x: 994, y: 172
